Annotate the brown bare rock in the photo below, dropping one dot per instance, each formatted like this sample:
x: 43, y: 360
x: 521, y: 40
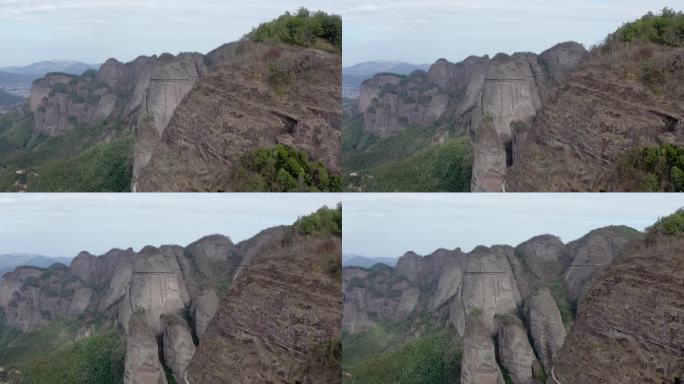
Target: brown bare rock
x: 258, y: 96
x: 602, y: 110
x: 630, y: 327
x: 279, y: 322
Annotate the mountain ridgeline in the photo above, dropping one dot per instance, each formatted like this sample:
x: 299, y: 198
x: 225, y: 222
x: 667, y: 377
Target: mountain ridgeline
x: 190, y: 122
x: 266, y: 309
x: 566, y: 119
x: 605, y: 308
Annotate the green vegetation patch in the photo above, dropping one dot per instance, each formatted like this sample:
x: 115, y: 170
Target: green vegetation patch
x: 671, y: 225
x: 566, y: 307
x: 103, y: 168
x: 16, y: 347
x: 407, y: 162
x: 434, y: 358
x: 304, y: 28
x: 78, y: 160
x: 325, y: 221
x: 285, y: 169
x: 665, y: 28
x: 444, y: 167
x: 98, y: 359
x: 654, y: 169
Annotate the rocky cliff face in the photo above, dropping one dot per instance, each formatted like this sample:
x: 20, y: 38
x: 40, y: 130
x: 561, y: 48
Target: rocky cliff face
x: 192, y: 115
x: 280, y: 321
x: 481, y: 97
x: 624, y: 97
x: 497, y: 298
x: 163, y: 301
x: 255, y: 96
x: 630, y: 328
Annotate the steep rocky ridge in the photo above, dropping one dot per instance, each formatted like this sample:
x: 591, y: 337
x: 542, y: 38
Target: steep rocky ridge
x: 498, y: 299
x: 624, y: 97
x: 255, y: 96
x: 163, y: 302
x: 201, y: 113
x: 280, y: 321
x: 630, y: 327
x: 482, y: 98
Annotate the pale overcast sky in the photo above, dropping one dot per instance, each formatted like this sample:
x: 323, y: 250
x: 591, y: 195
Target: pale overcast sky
x: 423, y: 31
x: 65, y: 224
x: 388, y: 225
x: 95, y: 30
x: 409, y: 30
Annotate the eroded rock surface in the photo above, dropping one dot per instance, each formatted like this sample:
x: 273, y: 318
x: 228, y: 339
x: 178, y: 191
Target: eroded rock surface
x: 630, y: 327
x: 280, y: 320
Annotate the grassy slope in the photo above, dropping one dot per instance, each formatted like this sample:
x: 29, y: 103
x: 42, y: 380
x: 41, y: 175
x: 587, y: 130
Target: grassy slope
x: 98, y: 359
x: 71, y: 162
x: 378, y: 356
x: 49, y: 355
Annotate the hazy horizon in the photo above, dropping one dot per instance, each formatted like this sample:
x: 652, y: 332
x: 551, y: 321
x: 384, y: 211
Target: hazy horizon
x: 400, y: 30
x: 62, y: 225
x: 388, y: 225
x: 96, y: 30
x: 422, y: 32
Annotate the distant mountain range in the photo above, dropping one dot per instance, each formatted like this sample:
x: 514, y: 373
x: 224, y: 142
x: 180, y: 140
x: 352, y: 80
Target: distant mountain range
x: 10, y: 261
x: 17, y: 80
x: 352, y: 260
x: 353, y: 76
x: 42, y: 68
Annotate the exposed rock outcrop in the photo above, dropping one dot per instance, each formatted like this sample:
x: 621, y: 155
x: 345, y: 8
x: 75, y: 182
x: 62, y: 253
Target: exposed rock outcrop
x: 481, y: 97
x: 630, y: 326
x: 256, y: 96
x: 203, y: 310
x: 178, y: 346
x: 280, y: 321
x: 501, y: 291
x: 515, y: 353
x: 479, y: 364
x: 546, y: 327
x: 604, y: 109
x: 142, y: 364
x: 193, y: 116
x: 157, y: 287
x: 285, y: 298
